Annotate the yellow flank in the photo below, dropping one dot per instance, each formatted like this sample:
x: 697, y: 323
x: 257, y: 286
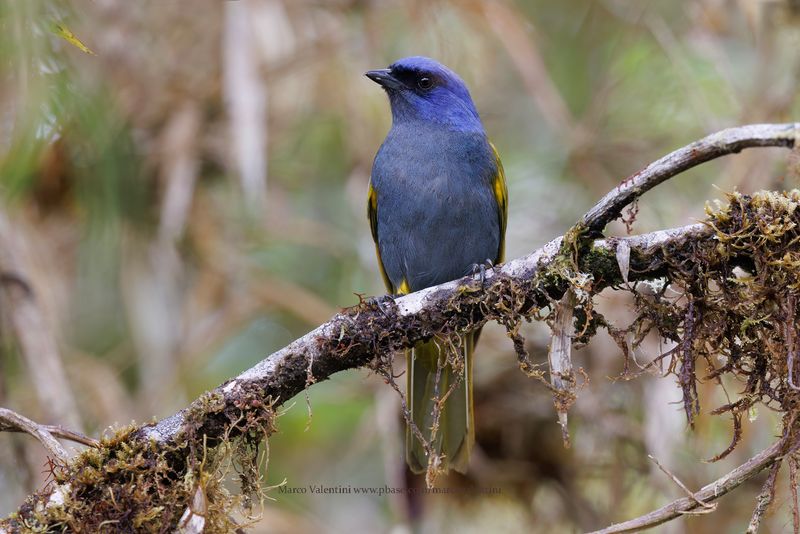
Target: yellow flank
x: 373, y: 199
x: 404, y: 288
x: 372, y: 215
x: 501, y: 194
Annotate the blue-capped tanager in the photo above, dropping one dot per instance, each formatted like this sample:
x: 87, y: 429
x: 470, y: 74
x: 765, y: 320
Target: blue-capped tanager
x: 437, y: 207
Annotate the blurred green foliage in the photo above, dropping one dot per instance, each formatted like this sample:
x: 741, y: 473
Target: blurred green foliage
x: 159, y: 283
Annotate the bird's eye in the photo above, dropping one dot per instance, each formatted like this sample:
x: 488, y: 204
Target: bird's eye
x: 425, y: 83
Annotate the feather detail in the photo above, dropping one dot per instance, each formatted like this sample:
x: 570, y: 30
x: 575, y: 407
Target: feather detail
x: 501, y: 194
x: 372, y: 215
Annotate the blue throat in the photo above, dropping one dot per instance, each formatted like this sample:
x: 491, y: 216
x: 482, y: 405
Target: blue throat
x: 442, y: 108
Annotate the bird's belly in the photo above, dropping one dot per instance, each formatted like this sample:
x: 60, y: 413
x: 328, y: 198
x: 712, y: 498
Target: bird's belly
x: 431, y: 237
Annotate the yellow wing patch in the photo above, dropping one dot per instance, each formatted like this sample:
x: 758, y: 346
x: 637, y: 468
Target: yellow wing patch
x: 372, y: 214
x: 404, y: 288
x: 501, y: 195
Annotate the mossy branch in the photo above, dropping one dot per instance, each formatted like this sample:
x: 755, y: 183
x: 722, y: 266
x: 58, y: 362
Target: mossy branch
x: 358, y: 335
x: 149, y: 475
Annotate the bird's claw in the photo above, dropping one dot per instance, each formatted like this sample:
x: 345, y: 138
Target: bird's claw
x: 480, y: 268
x: 381, y: 303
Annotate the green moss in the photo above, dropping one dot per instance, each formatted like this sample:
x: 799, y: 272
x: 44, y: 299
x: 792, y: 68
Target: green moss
x: 732, y: 299
x: 132, y: 484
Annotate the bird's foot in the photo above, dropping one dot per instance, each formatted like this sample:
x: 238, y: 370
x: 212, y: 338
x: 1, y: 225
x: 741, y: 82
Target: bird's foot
x: 384, y: 303
x: 481, y: 268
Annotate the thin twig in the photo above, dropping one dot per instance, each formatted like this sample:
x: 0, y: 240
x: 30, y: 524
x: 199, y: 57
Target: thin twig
x: 10, y: 420
x: 708, y: 493
x: 387, y: 374
x: 764, y: 499
x: 708, y: 507
x: 71, y: 435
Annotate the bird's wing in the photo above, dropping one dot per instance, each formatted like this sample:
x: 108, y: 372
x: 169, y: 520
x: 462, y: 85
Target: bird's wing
x: 372, y: 214
x: 501, y: 195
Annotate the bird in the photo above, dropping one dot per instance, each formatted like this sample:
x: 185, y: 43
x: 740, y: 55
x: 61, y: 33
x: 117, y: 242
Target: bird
x: 437, y: 206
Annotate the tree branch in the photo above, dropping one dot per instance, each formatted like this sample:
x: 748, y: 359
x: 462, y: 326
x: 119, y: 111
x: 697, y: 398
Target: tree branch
x: 354, y: 337
x: 368, y: 333
x: 713, y: 146
x: 707, y: 494
x: 10, y: 420
x: 764, y: 499
x: 8, y: 424
x: 289, y: 365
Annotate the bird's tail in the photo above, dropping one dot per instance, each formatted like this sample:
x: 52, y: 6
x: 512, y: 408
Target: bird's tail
x: 455, y: 434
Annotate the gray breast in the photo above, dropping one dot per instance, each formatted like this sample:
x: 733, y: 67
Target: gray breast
x: 437, y: 214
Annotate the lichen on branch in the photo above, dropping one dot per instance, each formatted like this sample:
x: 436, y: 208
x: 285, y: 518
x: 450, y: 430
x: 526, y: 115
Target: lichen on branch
x: 732, y: 310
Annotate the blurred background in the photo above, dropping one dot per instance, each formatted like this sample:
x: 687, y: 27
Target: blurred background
x: 191, y: 197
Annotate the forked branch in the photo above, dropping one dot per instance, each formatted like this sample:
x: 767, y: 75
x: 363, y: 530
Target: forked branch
x: 709, y: 493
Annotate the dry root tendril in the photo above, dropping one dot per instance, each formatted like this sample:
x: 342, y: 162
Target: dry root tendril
x: 732, y: 300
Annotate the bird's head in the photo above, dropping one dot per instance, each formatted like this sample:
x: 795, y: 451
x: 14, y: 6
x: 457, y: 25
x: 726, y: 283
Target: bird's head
x: 421, y: 89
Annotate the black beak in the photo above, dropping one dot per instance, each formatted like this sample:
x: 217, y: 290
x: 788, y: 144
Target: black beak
x: 384, y: 78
